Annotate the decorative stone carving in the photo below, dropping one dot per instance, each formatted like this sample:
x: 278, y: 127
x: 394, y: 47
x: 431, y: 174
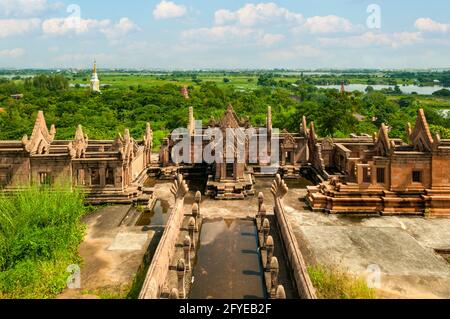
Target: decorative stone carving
x: 274, y: 271
x: 195, y: 215
x: 77, y: 148
x: 266, y: 231
x: 280, y: 294
x: 192, y: 225
x: 270, y: 247
x: 41, y: 138
x: 279, y: 188
x: 174, y: 294
x: 187, y: 243
x: 181, y: 274
x: 179, y: 188
x: 198, y: 200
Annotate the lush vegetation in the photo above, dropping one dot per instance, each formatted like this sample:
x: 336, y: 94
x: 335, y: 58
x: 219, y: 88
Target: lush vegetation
x: 334, y: 283
x: 40, y: 231
x: 129, y: 101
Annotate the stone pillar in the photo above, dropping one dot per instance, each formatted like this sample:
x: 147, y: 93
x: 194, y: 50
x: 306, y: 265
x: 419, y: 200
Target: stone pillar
x: 270, y: 249
x: 174, y: 294
x: 102, y: 174
x: 187, y: 251
x: 195, y: 215
x: 274, y: 270
x: 198, y: 200
x: 181, y: 273
x: 280, y: 294
x: 191, y: 229
x: 262, y: 215
x: 266, y: 231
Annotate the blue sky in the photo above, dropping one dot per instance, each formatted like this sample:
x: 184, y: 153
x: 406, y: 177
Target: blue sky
x: 194, y: 34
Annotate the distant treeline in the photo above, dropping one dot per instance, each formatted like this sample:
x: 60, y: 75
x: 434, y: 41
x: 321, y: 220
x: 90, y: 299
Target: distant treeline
x: 104, y: 115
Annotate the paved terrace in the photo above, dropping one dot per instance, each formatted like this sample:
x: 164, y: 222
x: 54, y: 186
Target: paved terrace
x: 403, y: 248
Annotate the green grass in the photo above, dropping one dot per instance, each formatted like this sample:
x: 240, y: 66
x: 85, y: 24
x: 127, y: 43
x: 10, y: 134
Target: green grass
x: 334, y: 283
x: 40, y: 231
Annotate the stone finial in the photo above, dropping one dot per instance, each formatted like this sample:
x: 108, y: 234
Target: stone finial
x: 191, y: 228
x: 198, y: 200
x: 181, y: 273
x: 266, y: 231
x: 262, y: 213
x: 270, y: 247
x: 279, y: 188
x: 77, y: 148
x: 187, y: 251
x: 174, y: 294
x: 179, y: 188
x: 281, y: 293
x: 274, y: 270
x: 195, y: 210
x: 260, y: 201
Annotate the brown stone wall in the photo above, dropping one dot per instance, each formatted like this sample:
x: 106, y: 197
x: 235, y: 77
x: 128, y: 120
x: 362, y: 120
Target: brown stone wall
x: 441, y: 172
x: 402, y: 171
x: 159, y: 268
x: 16, y: 168
x: 59, y: 169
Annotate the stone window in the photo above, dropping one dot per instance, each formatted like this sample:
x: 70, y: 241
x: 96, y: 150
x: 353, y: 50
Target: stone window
x: 230, y: 170
x: 110, y: 176
x: 95, y: 177
x: 44, y: 178
x: 289, y: 158
x: 366, y: 175
x: 381, y: 175
x: 417, y: 177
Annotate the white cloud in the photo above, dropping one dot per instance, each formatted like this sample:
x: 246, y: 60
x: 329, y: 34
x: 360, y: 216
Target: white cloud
x: 168, y: 9
x: 217, y: 33
x: 429, y: 25
x: 12, y: 27
x: 13, y: 53
x: 63, y: 26
x: 372, y: 39
x: 22, y: 7
x: 327, y: 24
x: 232, y: 35
x: 120, y: 29
x: 271, y: 39
x: 253, y: 14
x: 78, y: 26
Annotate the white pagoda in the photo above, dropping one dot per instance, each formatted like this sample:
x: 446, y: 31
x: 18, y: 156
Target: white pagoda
x: 95, y: 82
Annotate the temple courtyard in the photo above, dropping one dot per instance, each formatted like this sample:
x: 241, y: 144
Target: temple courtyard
x: 408, y: 251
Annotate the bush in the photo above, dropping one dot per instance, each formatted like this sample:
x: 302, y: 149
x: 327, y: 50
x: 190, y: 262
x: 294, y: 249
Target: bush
x: 40, y: 231
x: 334, y: 283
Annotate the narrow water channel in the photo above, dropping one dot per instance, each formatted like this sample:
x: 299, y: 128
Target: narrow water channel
x: 228, y: 262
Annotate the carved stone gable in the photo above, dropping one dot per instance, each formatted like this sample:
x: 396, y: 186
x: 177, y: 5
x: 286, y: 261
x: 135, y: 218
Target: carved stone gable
x: 421, y: 137
x: 41, y: 138
x: 230, y: 119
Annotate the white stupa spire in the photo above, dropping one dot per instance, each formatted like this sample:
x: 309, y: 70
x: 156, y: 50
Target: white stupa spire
x: 95, y: 82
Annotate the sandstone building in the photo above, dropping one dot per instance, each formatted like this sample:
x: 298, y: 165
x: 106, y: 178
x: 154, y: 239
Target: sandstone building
x: 109, y: 171
x: 361, y: 174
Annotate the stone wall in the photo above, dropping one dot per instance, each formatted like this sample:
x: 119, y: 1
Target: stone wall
x: 300, y: 272
x: 159, y: 268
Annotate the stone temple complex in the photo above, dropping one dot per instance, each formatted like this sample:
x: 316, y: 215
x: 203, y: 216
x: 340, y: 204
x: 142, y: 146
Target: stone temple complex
x: 356, y: 175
